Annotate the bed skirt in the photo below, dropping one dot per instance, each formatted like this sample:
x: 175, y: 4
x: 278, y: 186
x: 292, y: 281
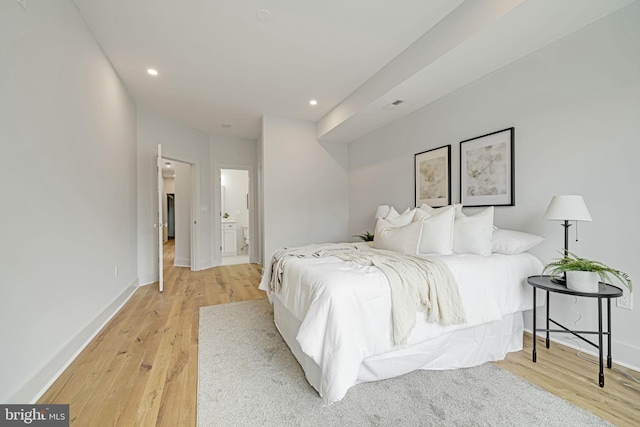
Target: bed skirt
x: 462, y: 348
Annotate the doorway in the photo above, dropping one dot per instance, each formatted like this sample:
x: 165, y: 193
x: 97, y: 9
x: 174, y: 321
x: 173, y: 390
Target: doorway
x: 177, y: 210
x: 235, y: 214
x: 171, y: 216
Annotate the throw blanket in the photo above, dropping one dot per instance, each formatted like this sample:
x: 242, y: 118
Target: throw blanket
x: 273, y: 277
x: 416, y: 283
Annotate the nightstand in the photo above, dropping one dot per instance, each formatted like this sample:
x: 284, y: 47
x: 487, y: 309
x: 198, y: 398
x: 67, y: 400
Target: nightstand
x: 606, y: 292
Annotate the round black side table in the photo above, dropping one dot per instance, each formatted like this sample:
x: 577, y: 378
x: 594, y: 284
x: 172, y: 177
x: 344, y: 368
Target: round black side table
x: 606, y: 292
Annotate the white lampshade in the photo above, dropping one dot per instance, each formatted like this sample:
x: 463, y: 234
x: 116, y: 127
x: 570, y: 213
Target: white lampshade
x: 382, y: 211
x: 567, y: 208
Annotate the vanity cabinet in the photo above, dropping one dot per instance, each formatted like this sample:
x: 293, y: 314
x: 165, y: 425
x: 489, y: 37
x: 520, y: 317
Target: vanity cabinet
x: 229, y: 238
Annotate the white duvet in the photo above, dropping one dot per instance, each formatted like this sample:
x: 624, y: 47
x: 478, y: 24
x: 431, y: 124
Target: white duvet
x: 345, y: 309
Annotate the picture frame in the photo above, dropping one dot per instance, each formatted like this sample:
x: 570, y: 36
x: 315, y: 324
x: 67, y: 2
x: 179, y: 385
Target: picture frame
x: 432, y: 177
x: 487, y: 169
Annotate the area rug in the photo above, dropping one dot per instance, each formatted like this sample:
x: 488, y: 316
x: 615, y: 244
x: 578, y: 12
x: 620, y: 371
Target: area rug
x: 247, y: 376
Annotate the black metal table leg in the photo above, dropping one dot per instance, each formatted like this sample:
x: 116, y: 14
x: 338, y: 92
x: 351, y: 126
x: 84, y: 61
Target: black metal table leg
x: 533, y: 356
x: 600, y: 349
x: 550, y: 285
x: 609, y: 364
x: 548, y: 304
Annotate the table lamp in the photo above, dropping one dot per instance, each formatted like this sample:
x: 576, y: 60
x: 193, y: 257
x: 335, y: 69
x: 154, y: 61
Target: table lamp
x: 567, y: 208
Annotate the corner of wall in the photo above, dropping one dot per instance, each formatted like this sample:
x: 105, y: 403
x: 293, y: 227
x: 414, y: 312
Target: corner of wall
x: 35, y: 387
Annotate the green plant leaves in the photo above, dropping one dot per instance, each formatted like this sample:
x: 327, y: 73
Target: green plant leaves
x: 572, y: 262
x: 366, y: 236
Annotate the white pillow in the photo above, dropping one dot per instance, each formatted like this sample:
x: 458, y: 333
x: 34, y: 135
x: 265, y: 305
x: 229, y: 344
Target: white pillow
x: 512, y: 242
x: 437, y: 231
x: 403, y: 239
x: 402, y: 219
x: 430, y: 210
x: 393, y: 213
x: 420, y: 214
x: 472, y: 234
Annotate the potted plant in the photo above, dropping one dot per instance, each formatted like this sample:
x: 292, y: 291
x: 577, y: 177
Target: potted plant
x: 583, y: 274
x: 366, y: 236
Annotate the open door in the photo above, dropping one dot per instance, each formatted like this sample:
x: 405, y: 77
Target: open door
x: 160, y: 224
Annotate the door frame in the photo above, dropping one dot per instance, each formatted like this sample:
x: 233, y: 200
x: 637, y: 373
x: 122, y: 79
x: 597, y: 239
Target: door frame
x: 216, y: 224
x: 195, y: 201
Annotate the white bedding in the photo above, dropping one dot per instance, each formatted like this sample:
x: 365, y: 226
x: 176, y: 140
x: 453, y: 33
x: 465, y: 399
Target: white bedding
x: 344, y: 308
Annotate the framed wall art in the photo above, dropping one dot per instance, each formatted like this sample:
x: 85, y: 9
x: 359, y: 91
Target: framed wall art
x: 432, y: 174
x: 487, y: 170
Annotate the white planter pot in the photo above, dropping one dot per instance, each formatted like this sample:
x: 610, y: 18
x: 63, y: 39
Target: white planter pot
x: 583, y: 281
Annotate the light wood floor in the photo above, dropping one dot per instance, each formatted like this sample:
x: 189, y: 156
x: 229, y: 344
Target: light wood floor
x: 561, y: 371
x: 141, y: 369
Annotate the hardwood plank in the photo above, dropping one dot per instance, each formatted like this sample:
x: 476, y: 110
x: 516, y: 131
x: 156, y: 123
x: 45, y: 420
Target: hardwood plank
x: 565, y: 373
x: 141, y: 369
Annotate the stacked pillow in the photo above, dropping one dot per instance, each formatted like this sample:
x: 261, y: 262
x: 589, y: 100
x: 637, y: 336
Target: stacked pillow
x: 403, y: 239
x: 436, y: 236
x: 510, y: 242
x: 397, y: 232
x: 472, y: 234
x: 446, y: 230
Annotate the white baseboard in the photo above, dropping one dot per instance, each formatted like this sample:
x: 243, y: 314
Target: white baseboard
x: 618, y: 348
x: 147, y: 279
x: 35, y: 387
x: 182, y: 262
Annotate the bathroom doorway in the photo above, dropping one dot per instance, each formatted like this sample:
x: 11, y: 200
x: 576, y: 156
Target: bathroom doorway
x: 235, y: 221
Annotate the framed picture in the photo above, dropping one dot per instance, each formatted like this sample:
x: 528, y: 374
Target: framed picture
x: 486, y: 170
x: 432, y: 173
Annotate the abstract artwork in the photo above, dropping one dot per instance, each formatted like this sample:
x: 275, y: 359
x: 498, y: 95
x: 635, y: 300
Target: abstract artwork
x: 486, y: 170
x: 432, y: 173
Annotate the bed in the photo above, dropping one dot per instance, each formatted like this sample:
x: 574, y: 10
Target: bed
x: 336, y: 316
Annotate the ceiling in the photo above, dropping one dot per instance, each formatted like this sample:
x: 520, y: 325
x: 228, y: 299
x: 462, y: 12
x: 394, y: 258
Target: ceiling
x: 230, y: 62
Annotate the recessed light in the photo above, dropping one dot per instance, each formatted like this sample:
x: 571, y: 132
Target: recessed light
x: 152, y: 71
x: 313, y: 102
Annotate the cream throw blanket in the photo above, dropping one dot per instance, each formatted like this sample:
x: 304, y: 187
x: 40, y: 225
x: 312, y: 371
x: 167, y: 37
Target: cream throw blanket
x: 280, y: 257
x: 416, y: 283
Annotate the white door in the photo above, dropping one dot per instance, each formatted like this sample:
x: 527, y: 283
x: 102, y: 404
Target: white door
x: 160, y: 224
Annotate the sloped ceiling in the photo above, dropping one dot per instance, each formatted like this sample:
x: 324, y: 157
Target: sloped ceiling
x: 230, y: 62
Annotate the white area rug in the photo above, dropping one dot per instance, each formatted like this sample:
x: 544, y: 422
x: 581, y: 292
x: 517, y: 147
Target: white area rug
x: 248, y: 377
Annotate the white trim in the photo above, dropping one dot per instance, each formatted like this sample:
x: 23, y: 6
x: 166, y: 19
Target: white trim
x: 147, y: 279
x: 182, y: 262
x: 195, y: 207
x: 216, y: 251
x: 40, y: 382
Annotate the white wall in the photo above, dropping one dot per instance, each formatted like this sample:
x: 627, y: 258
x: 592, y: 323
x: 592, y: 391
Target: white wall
x: 67, y: 140
x: 575, y: 106
x: 179, y: 142
x: 183, y: 205
x: 305, y: 186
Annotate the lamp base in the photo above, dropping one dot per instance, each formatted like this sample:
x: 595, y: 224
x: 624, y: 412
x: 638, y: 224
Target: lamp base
x: 559, y: 280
